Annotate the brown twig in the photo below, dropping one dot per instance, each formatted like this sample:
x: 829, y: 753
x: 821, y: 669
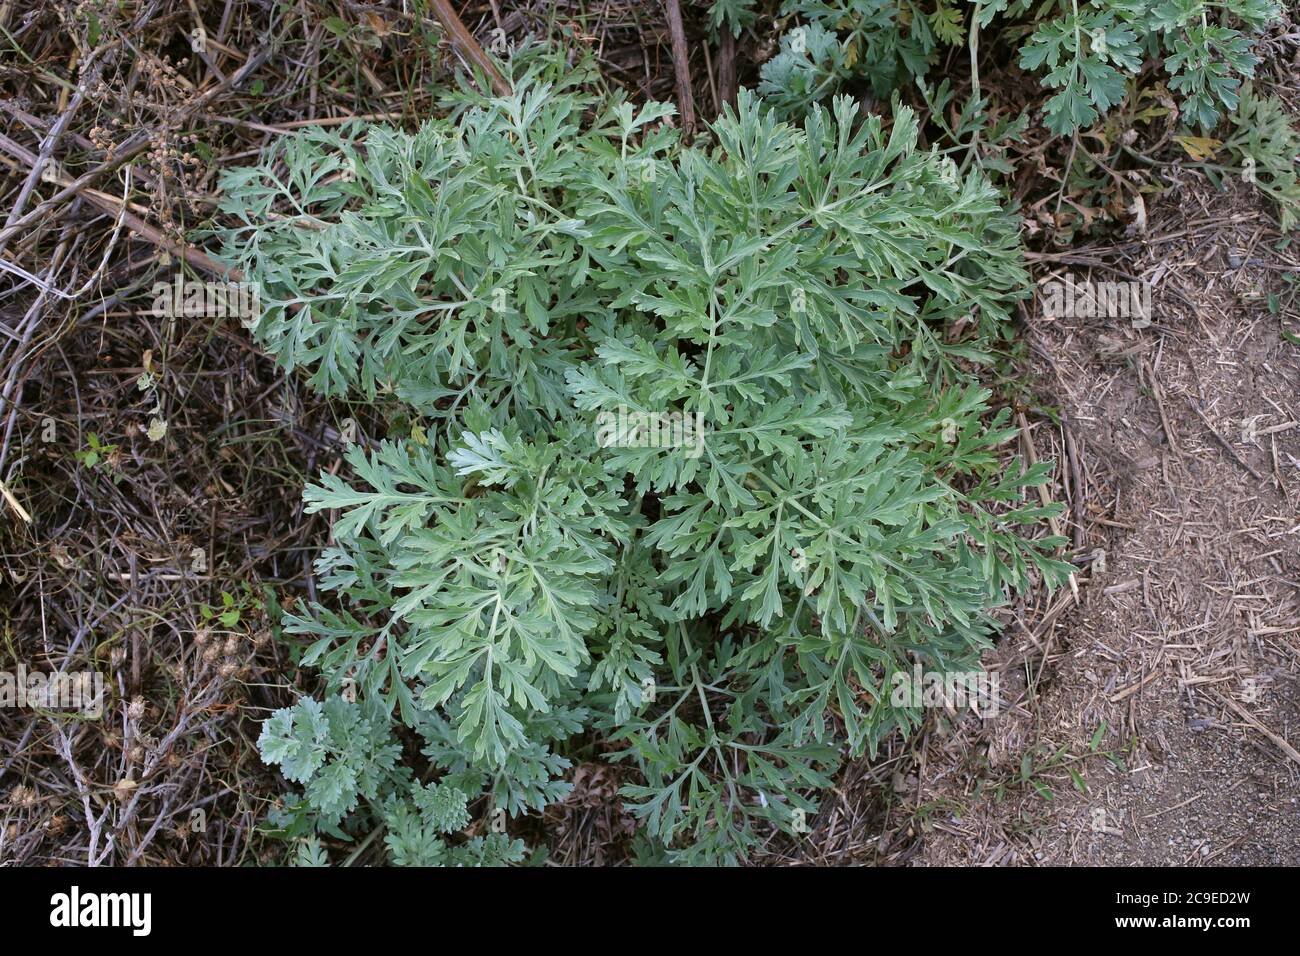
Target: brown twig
x: 726, y: 68
x: 464, y: 41
x: 1076, y: 474
x: 113, y: 206
x: 681, y: 67
x: 1232, y: 452
x: 1245, y: 715
x: 1158, y: 394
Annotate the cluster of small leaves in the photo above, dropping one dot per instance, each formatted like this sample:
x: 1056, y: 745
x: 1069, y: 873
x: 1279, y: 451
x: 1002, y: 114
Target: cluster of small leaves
x: 1265, y: 147
x: 1089, y: 52
x: 723, y: 618
x: 347, y: 760
x: 1086, y: 52
x: 731, y: 16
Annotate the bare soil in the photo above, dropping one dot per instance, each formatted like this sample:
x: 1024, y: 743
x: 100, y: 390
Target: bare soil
x: 1180, y: 452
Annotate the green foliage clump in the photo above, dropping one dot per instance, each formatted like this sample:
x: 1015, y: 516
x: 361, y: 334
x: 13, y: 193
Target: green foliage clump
x: 1085, y: 52
x: 516, y: 583
x: 345, y: 755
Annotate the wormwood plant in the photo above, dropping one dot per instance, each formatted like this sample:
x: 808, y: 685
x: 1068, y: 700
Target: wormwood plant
x: 1084, y: 51
x: 508, y: 593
